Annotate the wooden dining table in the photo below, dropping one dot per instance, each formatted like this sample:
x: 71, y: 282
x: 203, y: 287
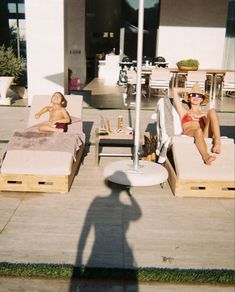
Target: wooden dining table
x: 214, y: 73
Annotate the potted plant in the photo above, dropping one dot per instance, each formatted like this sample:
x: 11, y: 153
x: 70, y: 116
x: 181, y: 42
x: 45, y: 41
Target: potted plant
x: 189, y: 64
x: 11, y: 68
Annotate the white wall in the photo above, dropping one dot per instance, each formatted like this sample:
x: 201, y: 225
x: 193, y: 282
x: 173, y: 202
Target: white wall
x: 201, y: 43
x: 46, y: 47
x: 192, y: 29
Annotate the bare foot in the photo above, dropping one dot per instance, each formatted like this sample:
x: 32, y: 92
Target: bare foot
x: 209, y: 159
x: 216, y: 148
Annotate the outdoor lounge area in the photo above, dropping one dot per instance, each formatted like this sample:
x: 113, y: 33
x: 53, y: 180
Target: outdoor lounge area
x: 153, y: 228
x: 108, y: 182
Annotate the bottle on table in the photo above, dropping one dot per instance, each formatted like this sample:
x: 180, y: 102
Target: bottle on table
x: 120, y: 122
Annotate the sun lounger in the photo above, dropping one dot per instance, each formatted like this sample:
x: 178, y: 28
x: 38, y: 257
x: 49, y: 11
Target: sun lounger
x: 188, y: 175
x: 44, y: 161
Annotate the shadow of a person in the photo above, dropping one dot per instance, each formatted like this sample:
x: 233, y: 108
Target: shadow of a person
x: 108, y: 218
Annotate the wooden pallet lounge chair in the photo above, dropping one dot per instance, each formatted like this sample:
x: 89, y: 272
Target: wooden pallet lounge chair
x: 44, y: 162
x: 188, y: 175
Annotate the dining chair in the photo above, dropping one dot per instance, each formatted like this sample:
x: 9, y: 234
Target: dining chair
x: 193, y: 77
x: 131, y: 85
x: 228, y: 84
x: 159, y: 79
x: 131, y: 81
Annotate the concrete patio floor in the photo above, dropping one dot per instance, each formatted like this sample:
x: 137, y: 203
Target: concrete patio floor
x: 101, y: 225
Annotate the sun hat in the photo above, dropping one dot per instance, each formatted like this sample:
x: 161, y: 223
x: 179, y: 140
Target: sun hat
x: 197, y: 92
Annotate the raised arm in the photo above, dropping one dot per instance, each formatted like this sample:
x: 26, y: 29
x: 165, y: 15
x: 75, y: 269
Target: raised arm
x: 42, y: 111
x: 176, y: 97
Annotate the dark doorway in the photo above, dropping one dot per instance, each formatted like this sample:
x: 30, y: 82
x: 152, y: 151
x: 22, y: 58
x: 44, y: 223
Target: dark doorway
x: 130, y: 23
x: 105, y: 18
x: 102, y: 31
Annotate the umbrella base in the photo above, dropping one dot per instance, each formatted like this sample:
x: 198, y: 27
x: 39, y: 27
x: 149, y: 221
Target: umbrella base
x: 147, y: 174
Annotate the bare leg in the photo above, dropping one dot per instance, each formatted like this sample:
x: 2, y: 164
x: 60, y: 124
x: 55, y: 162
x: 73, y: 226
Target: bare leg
x: 49, y: 129
x: 212, y: 129
x: 201, y: 145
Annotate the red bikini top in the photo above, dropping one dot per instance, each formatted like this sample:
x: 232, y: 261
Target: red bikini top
x: 187, y: 118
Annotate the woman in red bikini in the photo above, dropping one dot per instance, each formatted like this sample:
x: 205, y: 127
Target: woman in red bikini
x: 197, y: 123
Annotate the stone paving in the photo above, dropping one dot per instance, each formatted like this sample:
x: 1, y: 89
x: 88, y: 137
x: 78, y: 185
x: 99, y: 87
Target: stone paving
x: 100, y: 225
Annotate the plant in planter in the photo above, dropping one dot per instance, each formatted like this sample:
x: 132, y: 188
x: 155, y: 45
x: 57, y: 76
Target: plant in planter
x: 189, y: 64
x: 11, y: 68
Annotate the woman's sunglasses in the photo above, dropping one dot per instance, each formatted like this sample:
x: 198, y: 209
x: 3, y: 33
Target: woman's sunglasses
x: 197, y: 95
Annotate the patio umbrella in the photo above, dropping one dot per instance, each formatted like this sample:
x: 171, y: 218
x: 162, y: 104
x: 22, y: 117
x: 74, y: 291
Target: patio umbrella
x: 138, y: 172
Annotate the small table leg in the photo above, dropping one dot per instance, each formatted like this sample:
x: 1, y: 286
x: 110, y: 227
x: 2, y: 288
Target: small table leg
x: 97, y: 146
x: 214, y: 87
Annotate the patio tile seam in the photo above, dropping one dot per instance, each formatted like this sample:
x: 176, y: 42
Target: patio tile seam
x: 9, y: 220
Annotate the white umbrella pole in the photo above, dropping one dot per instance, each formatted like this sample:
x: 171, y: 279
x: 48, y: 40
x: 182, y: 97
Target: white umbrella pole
x: 138, y: 83
x: 123, y: 172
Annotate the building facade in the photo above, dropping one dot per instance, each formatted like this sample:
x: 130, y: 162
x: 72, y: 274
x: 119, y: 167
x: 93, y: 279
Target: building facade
x: 68, y: 34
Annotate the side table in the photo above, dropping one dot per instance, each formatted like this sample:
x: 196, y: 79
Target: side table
x: 114, y: 139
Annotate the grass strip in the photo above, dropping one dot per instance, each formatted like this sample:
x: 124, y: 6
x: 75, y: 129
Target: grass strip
x: 207, y: 276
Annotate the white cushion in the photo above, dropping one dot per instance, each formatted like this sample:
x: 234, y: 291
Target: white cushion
x: 189, y: 163
x: 37, y: 162
x: 190, y: 140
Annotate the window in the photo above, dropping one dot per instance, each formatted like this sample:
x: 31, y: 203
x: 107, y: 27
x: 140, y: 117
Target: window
x: 16, y: 18
x: 12, y: 7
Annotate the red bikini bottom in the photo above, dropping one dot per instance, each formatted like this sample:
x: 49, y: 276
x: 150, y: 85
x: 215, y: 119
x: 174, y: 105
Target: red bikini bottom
x: 63, y: 126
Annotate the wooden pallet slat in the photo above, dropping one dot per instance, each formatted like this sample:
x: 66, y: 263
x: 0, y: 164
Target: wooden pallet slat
x: 41, y: 183
x: 199, y: 188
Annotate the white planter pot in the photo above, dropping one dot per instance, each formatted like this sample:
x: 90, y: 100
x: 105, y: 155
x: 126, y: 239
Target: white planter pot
x: 5, y: 83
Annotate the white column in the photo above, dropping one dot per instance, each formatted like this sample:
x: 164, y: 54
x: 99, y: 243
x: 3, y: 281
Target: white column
x: 46, y: 47
x: 122, y: 43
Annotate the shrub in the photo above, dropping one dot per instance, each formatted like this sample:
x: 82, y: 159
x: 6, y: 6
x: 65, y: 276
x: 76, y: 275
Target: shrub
x: 188, y: 63
x: 10, y: 65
